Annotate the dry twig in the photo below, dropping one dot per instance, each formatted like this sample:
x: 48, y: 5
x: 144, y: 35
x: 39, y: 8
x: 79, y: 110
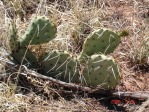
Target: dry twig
x: 143, y: 106
x: 79, y: 88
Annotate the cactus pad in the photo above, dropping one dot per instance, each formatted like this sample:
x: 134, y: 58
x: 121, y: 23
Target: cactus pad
x: 60, y: 65
x: 100, y: 41
x: 25, y: 57
x: 101, y: 70
x: 13, y: 43
x: 39, y: 31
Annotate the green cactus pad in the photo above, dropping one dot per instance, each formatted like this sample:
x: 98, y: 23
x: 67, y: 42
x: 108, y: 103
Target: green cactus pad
x: 39, y: 31
x: 13, y: 43
x: 29, y: 60
x: 101, y: 70
x: 100, y: 41
x: 60, y: 65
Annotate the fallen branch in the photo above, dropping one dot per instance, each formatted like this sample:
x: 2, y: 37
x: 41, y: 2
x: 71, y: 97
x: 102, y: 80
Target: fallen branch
x: 70, y: 86
x: 60, y: 83
x: 143, y: 106
x: 75, y: 87
x: 134, y: 95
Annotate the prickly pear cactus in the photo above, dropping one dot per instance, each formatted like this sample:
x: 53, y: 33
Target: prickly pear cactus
x: 25, y: 56
x: 39, y: 31
x: 101, y: 70
x: 13, y: 43
x: 60, y: 65
x: 100, y: 41
x: 98, y: 69
x: 20, y: 55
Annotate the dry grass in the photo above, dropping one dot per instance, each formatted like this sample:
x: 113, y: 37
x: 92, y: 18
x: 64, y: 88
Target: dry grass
x: 17, y: 102
x: 75, y: 19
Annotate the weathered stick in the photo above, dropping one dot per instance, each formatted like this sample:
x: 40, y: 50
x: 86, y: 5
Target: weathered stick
x: 143, y: 106
x: 71, y: 86
x: 60, y: 83
x: 74, y: 87
x: 135, y: 95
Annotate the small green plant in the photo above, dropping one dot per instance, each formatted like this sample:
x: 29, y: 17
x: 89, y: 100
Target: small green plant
x: 124, y: 33
x: 96, y: 67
